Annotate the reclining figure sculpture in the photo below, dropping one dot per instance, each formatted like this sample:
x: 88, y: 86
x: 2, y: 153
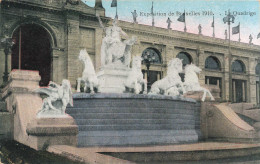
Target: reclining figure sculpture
x: 58, y: 99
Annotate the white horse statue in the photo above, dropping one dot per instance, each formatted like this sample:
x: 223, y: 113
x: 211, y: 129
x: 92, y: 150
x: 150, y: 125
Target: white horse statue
x: 191, y: 81
x: 135, y: 81
x: 89, y: 76
x: 171, y: 84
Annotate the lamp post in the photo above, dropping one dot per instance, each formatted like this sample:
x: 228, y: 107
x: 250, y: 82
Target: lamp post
x: 7, y: 43
x: 229, y: 19
x: 147, y: 60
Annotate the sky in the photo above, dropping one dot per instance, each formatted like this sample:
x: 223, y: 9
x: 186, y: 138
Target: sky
x: 247, y: 13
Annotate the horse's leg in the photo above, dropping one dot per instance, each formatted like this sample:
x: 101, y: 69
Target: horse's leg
x: 85, y: 87
x: 204, y: 94
x: 211, y: 97
x: 91, y: 88
x: 136, y: 88
x: 78, y: 85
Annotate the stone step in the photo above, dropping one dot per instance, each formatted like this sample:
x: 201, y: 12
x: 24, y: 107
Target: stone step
x: 248, y: 120
x: 134, y: 137
x: 132, y: 116
x: 130, y: 121
x: 136, y: 103
x: 136, y: 127
x: 127, y: 109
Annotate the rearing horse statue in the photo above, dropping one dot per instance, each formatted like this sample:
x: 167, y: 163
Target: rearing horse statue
x: 89, y: 76
x: 191, y: 81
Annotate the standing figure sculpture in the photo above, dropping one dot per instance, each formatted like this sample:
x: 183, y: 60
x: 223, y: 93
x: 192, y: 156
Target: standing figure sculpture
x: 134, y: 16
x: 200, y: 29
x: 113, y: 50
x: 250, y: 39
x: 135, y: 82
x: 171, y: 84
x: 58, y: 99
x: 169, y: 23
x: 191, y: 81
x: 89, y: 76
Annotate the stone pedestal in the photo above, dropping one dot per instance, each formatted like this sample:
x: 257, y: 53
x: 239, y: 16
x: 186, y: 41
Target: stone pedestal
x: 52, y: 131
x: 112, y: 79
x: 24, y: 103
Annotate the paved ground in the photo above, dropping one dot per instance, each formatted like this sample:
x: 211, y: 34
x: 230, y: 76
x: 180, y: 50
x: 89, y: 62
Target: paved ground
x: 126, y: 154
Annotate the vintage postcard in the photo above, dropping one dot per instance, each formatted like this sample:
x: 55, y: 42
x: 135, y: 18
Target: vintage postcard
x: 129, y: 81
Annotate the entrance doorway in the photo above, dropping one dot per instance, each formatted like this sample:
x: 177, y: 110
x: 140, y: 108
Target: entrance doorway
x: 35, y: 50
x: 239, y: 90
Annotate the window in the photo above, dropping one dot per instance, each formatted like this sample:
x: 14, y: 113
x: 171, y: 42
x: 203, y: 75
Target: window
x: 257, y: 69
x: 153, y: 54
x: 186, y: 58
x: 238, y: 66
x: 212, y: 63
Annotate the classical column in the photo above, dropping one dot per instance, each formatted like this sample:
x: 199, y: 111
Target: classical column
x: 243, y: 91
x: 234, y: 91
x: 158, y: 75
x: 145, y: 75
x: 207, y: 81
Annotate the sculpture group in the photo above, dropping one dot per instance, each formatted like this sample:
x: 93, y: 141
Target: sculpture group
x: 116, y: 55
x: 58, y: 99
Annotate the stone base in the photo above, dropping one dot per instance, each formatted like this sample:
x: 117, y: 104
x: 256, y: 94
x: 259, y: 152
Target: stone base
x: 52, y: 131
x: 111, y: 119
x: 112, y: 79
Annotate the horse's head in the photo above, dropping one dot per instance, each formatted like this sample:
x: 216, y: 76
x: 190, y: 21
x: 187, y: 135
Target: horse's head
x: 83, y: 55
x: 175, y: 65
x: 193, y: 68
x: 137, y: 62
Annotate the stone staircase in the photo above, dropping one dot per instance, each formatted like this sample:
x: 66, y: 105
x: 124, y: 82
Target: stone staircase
x: 113, y: 122
x: 249, y: 114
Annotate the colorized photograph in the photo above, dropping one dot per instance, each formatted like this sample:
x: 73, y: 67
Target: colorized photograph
x: 129, y: 81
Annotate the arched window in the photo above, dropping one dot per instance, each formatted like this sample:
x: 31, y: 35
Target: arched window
x: 212, y: 63
x: 257, y: 69
x: 153, y: 55
x: 186, y: 58
x: 238, y: 66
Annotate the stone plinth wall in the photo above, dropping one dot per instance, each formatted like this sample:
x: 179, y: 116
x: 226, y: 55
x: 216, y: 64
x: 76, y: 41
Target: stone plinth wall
x: 219, y: 121
x: 128, y: 119
x: 24, y: 103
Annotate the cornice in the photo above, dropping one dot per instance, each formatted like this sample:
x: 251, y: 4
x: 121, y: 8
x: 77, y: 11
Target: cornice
x: 187, y: 37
